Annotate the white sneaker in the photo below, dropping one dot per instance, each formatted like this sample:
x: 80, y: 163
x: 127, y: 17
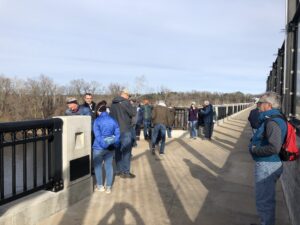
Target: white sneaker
x: 108, y: 190
x: 161, y: 155
x: 101, y: 188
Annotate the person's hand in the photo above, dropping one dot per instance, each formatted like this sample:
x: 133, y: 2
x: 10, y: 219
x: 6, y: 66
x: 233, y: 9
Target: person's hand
x: 111, y: 147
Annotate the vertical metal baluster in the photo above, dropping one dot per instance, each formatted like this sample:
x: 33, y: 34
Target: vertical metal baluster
x: 13, y: 137
x: 24, y: 161
x: 44, y: 155
x: 50, y: 175
x: 34, y: 159
x: 1, y: 166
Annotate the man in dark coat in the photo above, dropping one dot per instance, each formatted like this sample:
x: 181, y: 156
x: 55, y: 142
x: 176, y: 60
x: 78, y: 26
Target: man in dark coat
x: 208, y: 118
x: 254, y: 118
x: 122, y: 111
x: 88, y: 102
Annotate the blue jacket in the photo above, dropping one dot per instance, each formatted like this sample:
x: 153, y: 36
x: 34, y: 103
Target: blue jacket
x: 104, y: 128
x: 208, y: 114
x: 82, y: 110
x: 259, y: 138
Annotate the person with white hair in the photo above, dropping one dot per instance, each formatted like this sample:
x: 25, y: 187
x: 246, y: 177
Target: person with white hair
x: 208, y: 117
x: 160, y: 118
x: 264, y: 148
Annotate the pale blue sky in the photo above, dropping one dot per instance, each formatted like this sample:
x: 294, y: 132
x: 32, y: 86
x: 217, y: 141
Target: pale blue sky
x: 218, y: 45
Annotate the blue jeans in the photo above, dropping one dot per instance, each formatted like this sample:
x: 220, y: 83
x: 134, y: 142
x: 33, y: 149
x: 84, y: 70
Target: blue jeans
x: 159, y: 129
x: 266, y: 176
x: 147, y: 128
x: 107, y: 156
x: 123, y: 153
x: 193, y: 128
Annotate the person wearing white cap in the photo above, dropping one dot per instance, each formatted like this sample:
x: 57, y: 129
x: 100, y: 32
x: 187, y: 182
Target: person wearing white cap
x: 160, y: 118
x: 75, y: 109
x: 264, y: 148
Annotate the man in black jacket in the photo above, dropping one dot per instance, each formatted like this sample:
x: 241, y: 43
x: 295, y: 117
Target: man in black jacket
x: 122, y: 111
x: 208, y: 118
x: 253, y: 117
x: 88, y: 102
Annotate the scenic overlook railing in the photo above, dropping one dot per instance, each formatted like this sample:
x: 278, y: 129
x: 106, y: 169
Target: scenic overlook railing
x: 220, y: 112
x: 30, y: 158
x: 31, y: 152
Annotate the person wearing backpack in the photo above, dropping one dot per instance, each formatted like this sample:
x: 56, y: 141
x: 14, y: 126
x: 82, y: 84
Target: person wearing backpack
x: 264, y: 147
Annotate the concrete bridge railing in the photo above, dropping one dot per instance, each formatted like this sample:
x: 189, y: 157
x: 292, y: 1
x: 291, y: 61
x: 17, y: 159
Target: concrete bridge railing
x: 77, y: 182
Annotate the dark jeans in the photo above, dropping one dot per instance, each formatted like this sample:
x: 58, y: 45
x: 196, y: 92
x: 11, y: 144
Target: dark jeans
x: 133, y: 135
x: 159, y: 129
x: 138, y: 130
x: 169, y: 132
x: 208, y: 129
x: 147, y: 128
x: 123, y: 153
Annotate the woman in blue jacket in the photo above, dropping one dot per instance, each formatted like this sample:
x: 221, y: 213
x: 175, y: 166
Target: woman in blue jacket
x: 107, y: 139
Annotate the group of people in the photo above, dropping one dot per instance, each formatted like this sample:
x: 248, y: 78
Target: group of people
x: 269, y: 132
x: 201, y: 118
x: 115, y: 131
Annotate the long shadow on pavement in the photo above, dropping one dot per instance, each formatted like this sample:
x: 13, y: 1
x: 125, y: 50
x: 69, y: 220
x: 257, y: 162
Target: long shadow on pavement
x: 230, y: 200
x: 118, y: 214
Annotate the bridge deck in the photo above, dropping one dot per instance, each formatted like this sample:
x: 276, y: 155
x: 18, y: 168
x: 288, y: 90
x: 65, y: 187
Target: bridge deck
x: 197, y: 182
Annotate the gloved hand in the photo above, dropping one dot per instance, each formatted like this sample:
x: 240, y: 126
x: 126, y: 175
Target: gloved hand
x: 111, y: 147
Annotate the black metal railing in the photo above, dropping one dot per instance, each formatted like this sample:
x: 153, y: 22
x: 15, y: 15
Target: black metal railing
x: 30, y: 158
x: 220, y: 112
x: 181, y: 117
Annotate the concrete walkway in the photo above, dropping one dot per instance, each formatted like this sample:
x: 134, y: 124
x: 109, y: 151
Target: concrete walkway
x: 197, y: 182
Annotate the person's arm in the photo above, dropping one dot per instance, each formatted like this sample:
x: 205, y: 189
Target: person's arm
x: 131, y: 110
x: 273, y: 135
x: 189, y: 115
x: 206, y: 111
x: 98, y: 135
x: 117, y: 133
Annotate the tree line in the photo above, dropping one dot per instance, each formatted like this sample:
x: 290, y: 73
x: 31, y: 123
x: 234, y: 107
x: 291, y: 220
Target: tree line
x: 25, y: 99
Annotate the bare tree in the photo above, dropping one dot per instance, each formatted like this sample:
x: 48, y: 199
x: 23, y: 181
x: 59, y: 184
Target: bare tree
x: 165, y: 92
x: 6, y: 90
x: 140, y: 85
x: 115, y: 89
x: 42, y: 96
